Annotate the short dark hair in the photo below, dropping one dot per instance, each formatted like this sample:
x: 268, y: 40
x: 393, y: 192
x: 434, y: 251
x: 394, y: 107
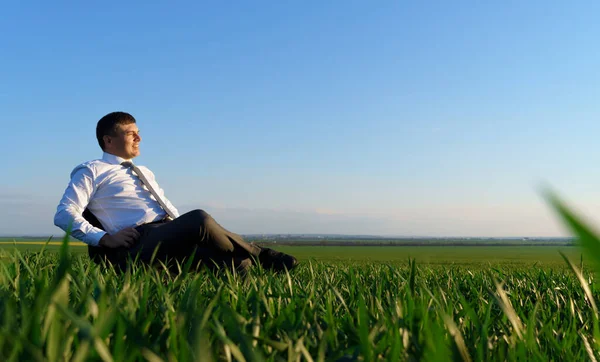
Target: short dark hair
x: 107, y: 125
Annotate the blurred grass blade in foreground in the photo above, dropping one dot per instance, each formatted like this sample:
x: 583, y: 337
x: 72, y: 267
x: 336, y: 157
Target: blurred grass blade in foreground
x: 586, y: 237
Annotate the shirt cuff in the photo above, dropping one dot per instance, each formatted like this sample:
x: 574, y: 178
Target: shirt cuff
x: 93, y: 237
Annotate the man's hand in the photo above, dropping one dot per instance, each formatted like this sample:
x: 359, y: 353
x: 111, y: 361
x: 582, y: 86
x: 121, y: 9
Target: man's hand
x: 126, y: 237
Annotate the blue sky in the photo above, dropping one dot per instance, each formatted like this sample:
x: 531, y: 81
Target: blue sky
x: 432, y: 118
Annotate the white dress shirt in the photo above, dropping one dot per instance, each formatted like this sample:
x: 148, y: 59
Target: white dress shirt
x: 114, y: 194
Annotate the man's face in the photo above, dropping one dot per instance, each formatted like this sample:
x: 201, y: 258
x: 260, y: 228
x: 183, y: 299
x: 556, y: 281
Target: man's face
x: 126, y: 142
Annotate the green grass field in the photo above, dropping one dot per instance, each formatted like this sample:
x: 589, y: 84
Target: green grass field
x: 547, y: 256
x: 543, y: 256
x: 340, y: 304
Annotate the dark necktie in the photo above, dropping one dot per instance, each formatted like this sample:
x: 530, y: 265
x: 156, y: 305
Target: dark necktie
x: 144, y: 180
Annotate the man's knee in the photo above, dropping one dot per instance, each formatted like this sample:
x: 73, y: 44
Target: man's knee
x: 201, y: 217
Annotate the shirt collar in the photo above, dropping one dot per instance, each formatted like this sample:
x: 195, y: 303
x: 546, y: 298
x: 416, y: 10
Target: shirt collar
x: 112, y: 159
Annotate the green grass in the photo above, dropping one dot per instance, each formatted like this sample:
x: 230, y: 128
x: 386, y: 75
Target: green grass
x: 482, y: 256
x: 65, y: 308
x: 547, y: 256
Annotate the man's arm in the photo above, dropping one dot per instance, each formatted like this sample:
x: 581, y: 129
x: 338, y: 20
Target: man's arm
x: 69, y: 212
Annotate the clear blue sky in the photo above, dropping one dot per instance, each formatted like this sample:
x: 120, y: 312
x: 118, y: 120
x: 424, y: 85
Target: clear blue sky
x: 437, y: 118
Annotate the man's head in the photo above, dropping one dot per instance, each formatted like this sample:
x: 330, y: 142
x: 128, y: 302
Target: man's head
x: 118, y: 134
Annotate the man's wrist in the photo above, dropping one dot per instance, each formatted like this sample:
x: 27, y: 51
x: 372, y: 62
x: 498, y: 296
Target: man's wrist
x: 93, y: 237
x: 104, y: 240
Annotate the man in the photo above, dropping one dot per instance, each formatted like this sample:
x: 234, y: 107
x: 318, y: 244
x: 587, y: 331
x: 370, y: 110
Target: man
x: 121, y: 212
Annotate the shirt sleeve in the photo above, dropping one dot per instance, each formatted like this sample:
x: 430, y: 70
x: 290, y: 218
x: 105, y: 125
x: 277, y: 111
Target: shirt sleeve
x: 69, y: 213
x: 161, y: 192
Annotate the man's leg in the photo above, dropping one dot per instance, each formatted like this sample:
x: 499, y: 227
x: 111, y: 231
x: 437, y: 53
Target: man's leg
x: 268, y: 258
x: 197, y: 232
x: 194, y: 233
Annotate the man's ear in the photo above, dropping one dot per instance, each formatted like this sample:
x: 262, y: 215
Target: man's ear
x: 107, y: 140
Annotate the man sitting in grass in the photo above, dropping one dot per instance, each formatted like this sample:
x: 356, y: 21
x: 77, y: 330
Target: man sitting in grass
x: 120, y: 211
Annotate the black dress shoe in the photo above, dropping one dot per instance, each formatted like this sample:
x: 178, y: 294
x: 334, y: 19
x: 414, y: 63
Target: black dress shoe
x: 242, y: 266
x: 276, y: 260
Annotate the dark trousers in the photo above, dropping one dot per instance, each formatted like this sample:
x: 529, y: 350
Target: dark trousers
x: 195, y: 233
